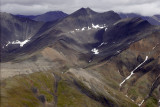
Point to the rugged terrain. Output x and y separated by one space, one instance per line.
85 59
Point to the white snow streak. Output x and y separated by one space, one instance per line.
155 46
141 103
8 43
133 71
103 43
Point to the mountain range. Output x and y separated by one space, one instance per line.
82 59
48 16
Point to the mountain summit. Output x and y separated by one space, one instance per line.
50 16
84 11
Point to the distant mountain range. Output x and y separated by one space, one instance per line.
48 16
82 59
54 15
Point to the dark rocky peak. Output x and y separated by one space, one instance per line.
111 12
110 15
50 16
54 12
84 12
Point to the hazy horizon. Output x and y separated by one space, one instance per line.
29 7
76 10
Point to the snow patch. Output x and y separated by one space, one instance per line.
83 28
93 26
126 95
132 72
118 51
97 26
18 42
89 28
95 51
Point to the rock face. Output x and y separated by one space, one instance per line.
86 58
